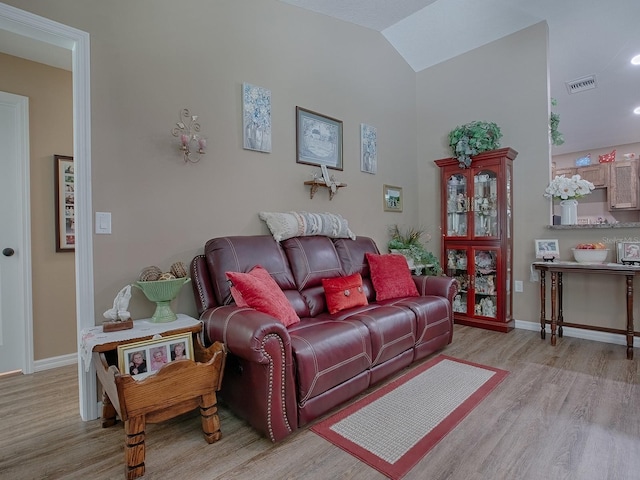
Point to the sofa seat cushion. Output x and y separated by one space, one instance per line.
432 315
392 330
327 352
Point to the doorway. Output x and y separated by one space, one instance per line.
42 29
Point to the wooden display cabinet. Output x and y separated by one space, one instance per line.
477 237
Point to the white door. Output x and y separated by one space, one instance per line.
15 298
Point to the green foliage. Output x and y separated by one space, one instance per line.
474 138
554 119
410 241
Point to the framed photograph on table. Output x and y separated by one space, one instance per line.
318 139
392 198
65 203
629 253
547 249
140 359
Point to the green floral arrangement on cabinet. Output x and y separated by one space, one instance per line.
473 138
409 243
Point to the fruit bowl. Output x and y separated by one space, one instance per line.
162 292
583 255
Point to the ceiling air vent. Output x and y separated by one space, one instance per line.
581 84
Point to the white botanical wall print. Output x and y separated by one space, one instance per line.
368 148
256 118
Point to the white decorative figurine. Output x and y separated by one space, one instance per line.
119 311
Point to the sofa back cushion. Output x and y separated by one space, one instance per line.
241 254
311 259
352 255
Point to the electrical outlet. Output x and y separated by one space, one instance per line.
518 285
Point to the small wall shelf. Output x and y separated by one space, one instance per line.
316 184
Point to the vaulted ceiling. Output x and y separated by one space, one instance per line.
586 38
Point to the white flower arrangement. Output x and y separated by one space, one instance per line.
568 188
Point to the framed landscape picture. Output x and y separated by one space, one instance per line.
392 198
318 139
65 203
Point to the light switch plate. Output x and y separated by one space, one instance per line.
103 223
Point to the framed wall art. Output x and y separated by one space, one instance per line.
141 359
318 139
65 203
392 198
547 248
256 118
368 149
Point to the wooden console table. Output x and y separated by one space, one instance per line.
556 269
176 388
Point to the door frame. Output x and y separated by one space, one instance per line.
25 299
46 30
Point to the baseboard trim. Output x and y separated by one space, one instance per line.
581 333
55 362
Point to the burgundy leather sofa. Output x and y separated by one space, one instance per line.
280 378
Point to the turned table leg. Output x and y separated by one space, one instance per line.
108 411
210 419
560 314
630 317
554 283
134 447
543 314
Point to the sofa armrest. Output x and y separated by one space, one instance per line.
441 286
243 331
258 384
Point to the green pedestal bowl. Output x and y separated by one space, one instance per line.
162 292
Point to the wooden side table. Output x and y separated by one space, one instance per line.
178 387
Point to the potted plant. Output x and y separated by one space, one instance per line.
408 243
473 138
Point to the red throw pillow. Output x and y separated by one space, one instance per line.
344 292
261 292
391 276
238 298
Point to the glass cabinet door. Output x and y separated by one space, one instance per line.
457 205
485 203
457 261
485 281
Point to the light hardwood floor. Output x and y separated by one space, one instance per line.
565 412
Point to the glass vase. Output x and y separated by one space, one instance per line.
569 212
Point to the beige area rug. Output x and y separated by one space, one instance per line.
397 425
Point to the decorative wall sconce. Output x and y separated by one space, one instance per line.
192 143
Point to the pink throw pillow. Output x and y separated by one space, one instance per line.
344 292
258 290
391 276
